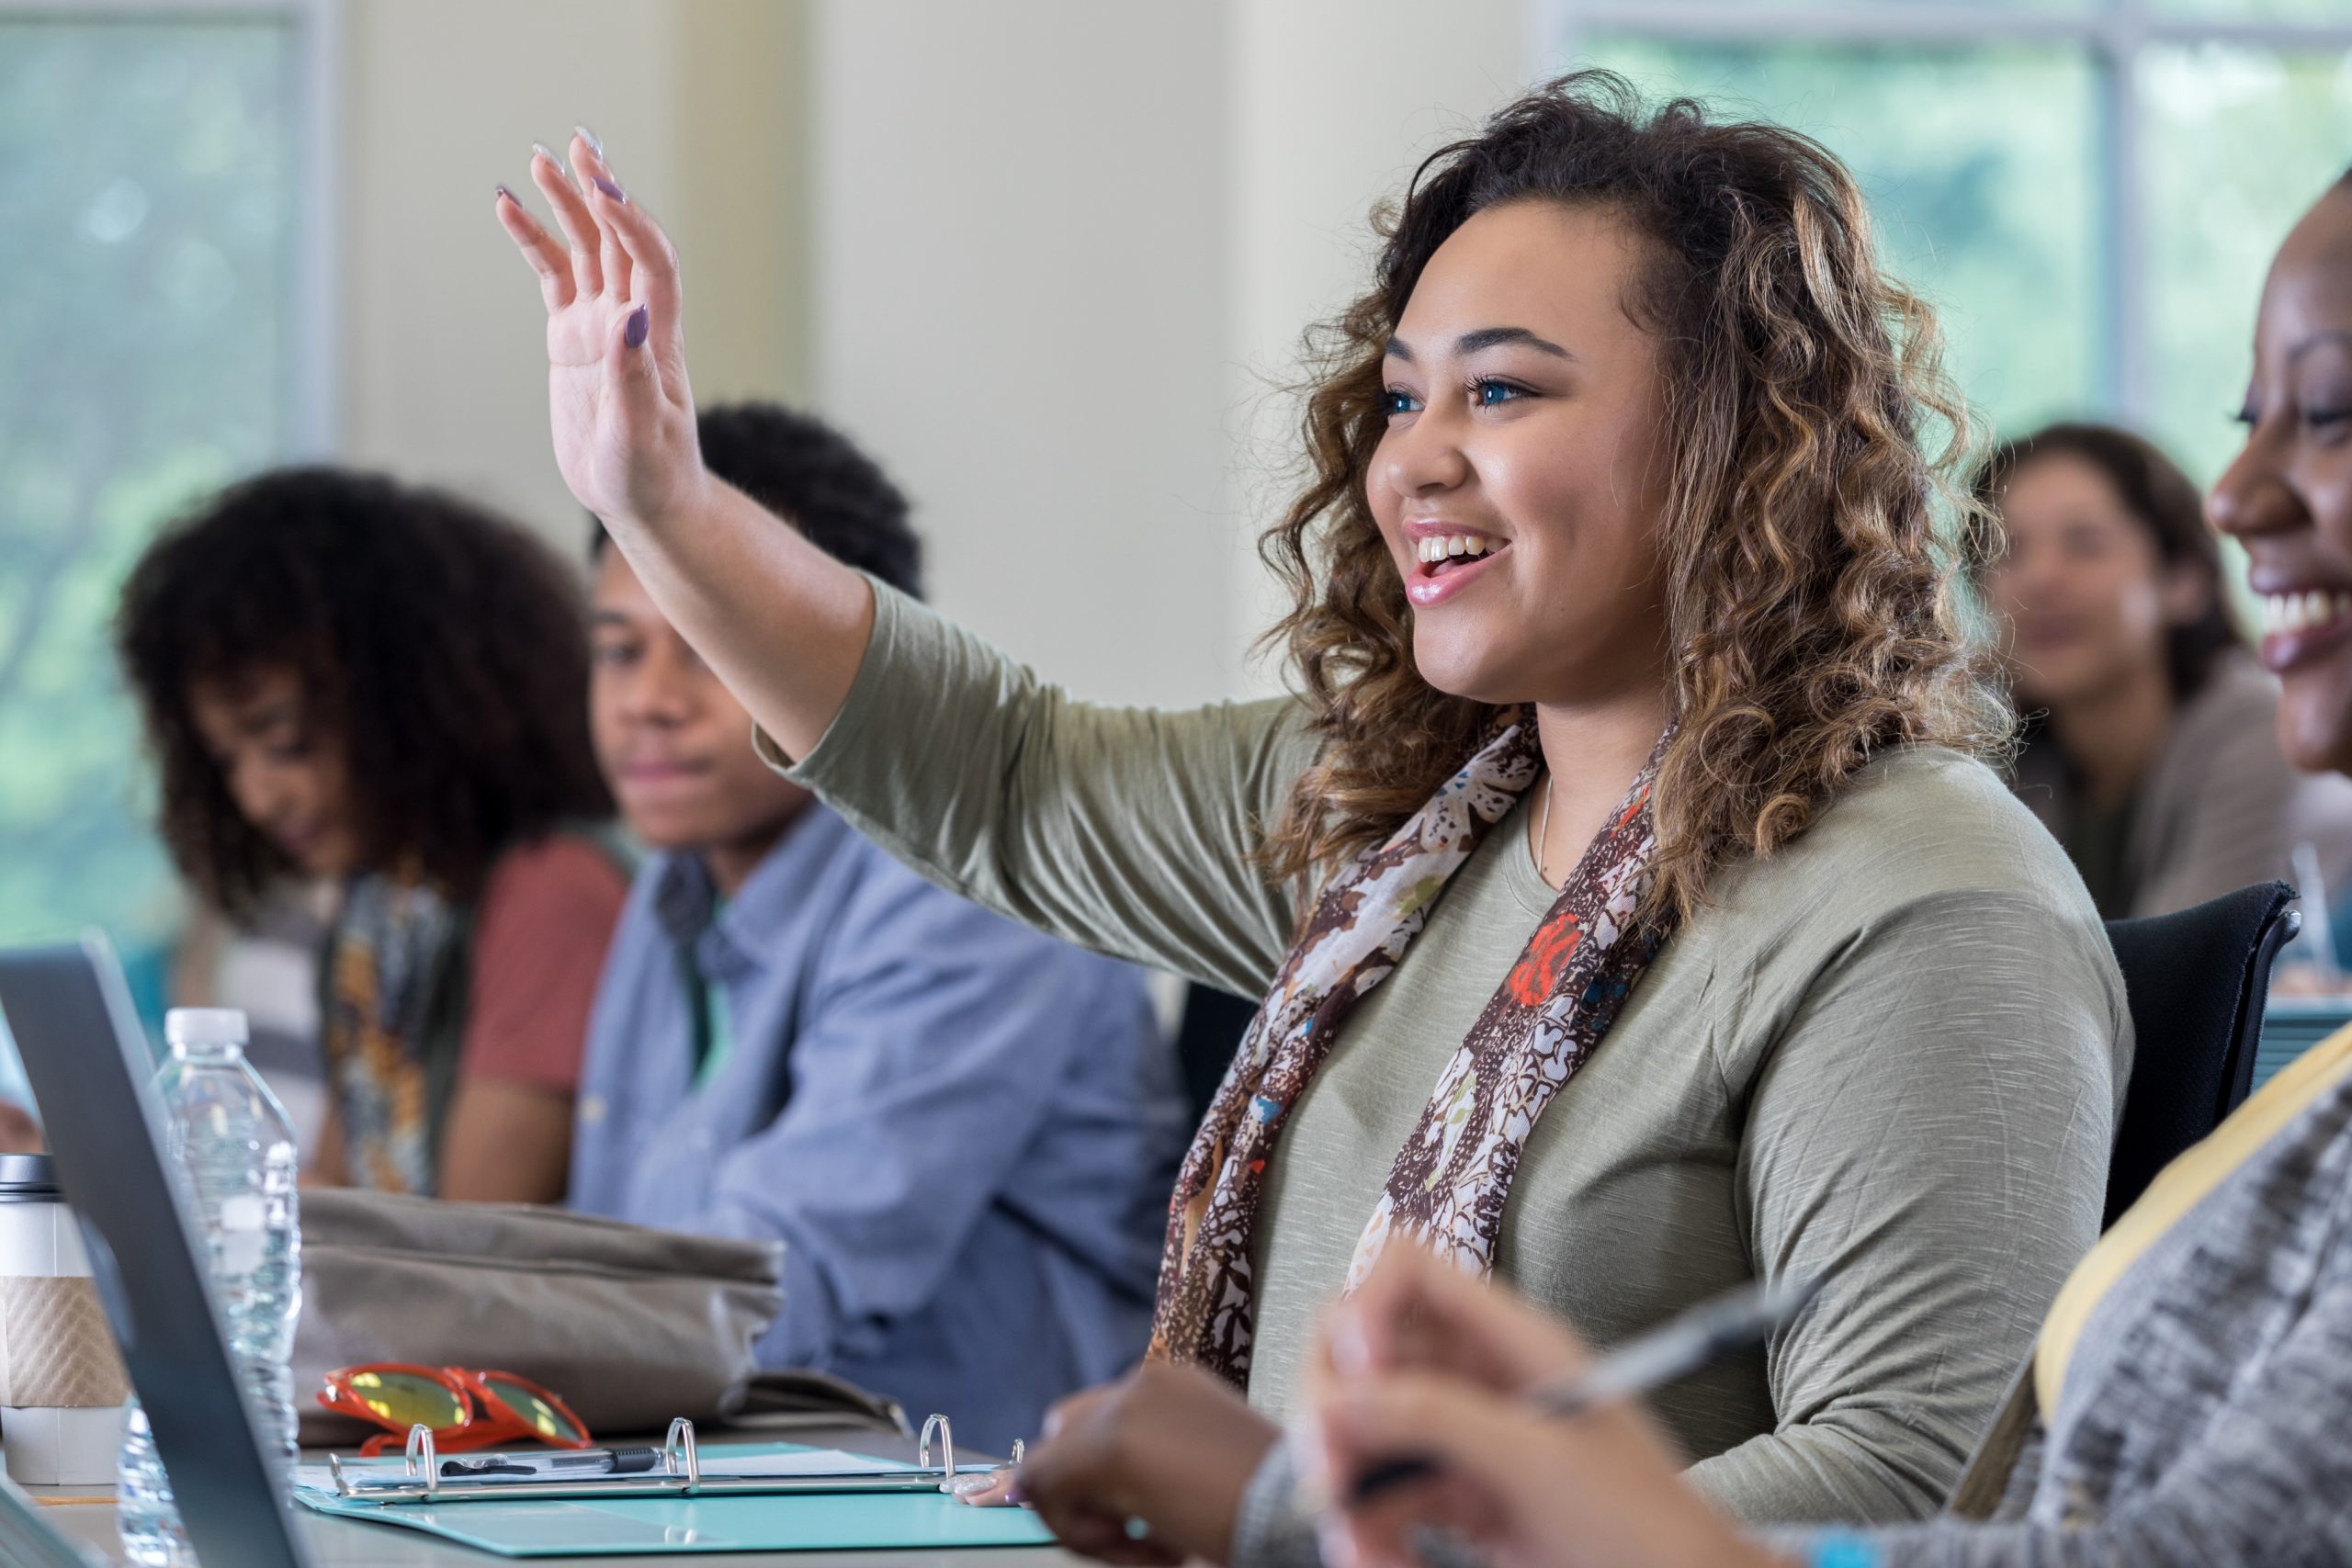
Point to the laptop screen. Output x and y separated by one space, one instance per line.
89 1068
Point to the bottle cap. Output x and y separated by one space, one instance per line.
199 1027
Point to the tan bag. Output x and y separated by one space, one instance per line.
629 1326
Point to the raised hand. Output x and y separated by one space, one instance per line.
622 413
784 624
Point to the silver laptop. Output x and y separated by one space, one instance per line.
89 1068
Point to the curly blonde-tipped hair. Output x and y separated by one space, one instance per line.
1809 591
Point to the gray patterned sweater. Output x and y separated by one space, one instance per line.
2206 1420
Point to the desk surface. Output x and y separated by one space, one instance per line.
352 1544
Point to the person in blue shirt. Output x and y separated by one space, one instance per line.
964 1133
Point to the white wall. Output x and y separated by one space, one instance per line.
1061 248
1018 302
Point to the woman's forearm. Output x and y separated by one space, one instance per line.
782 623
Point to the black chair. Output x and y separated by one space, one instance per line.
2197 981
1208 1035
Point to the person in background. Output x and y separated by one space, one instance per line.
2150 746
346 678
2190 1401
962 1132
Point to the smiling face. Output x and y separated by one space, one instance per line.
2082 588
1521 481
288 781
2288 496
674 744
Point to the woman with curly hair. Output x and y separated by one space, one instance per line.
1632 914
345 678
2189 1398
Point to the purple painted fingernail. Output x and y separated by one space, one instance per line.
639 324
609 189
1013 1494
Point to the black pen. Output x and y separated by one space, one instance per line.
1736 1320
582 1461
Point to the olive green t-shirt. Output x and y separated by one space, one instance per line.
1889 1056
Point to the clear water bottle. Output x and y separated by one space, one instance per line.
230 1140
152 1535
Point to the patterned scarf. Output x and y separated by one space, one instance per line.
1447 1189
384 962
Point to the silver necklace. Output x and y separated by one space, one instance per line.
1544 834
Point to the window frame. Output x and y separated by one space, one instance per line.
2112 33
310 399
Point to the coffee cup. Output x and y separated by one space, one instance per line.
61 1383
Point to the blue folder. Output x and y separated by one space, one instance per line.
2291 1026
805 1521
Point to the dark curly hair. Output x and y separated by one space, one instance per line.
2156 494
442 648
1809 588
805 472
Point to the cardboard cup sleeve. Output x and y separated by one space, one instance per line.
56 1351
61 1383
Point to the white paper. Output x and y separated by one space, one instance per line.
714 1462
815 1462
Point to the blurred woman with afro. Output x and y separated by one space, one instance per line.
347 679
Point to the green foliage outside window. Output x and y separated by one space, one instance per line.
1977 167
2239 141
145 182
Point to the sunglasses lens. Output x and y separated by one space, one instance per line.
404 1399
533 1408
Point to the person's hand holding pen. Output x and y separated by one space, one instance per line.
1423 1362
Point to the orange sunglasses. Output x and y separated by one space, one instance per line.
464 1409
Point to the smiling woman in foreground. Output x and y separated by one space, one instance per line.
1631 914
2191 1393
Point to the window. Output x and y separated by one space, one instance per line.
163 338
2088 190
